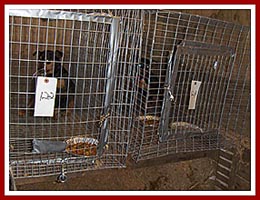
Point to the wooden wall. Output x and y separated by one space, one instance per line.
236 16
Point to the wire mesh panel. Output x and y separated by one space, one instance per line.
131 29
186 83
86 54
200 76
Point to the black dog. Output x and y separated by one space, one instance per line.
149 84
49 65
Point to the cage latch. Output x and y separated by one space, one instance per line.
171 97
103 118
62 177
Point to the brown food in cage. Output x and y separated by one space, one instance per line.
82 148
149 120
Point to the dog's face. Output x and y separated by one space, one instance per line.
143 68
47 59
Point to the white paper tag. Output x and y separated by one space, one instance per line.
195 86
45 96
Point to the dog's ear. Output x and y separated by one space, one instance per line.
58 54
39 53
35 53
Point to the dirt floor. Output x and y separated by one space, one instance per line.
170 174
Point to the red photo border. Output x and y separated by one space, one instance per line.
176 2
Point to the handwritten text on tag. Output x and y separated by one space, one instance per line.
195 86
45 96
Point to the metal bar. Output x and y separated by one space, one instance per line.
50 14
171 77
111 70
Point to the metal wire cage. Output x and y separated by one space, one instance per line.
94 53
194 79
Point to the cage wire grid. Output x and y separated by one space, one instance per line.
177 49
86 45
225 122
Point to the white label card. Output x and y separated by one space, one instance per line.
45 96
195 86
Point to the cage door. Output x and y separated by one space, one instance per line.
197 80
85 68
